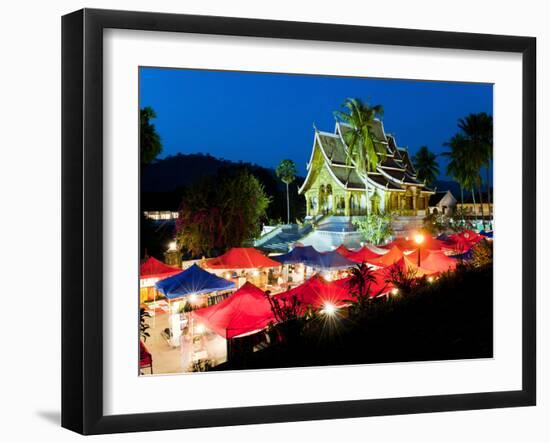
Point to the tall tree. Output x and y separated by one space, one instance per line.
360 139
457 165
465 162
149 140
286 171
478 130
221 212
425 163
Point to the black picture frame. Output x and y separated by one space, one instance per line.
82 218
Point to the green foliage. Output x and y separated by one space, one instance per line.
376 228
482 254
285 310
143 326
360 138
438 223
149 140
403 278
471 150
290 319
362 277
221 212
286 171
425 163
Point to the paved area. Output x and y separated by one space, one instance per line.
166 359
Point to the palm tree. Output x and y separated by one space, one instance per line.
464 165
456 168
361 279
360 139
478 129
286 171
425 163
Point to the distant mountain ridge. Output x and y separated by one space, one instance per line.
163 182
179 171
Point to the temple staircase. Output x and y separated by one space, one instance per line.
405 225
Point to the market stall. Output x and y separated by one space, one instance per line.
245 312
191 288
151 271
242 265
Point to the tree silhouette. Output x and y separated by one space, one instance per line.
149 140
286 171
425 163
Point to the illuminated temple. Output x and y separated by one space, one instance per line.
333 186
335 194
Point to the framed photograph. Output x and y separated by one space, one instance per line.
269 221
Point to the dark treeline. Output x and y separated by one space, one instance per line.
165 182
170 176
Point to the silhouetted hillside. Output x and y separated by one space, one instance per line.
163 182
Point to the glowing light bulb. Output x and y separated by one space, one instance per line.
329 308
395 291
419 239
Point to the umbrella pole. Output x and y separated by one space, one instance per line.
154 306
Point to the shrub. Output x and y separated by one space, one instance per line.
482 254
376 228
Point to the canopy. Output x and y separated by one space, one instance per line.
378 286
406 262
241 258
329 261
316 291
245 311
462 241
363 255
466 235
153 268
299 254
343 251
394 254
437 261
432 244
193 280
404 244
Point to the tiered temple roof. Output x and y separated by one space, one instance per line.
394 172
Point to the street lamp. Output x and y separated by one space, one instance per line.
419 239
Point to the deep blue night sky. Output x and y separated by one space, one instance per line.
263 118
